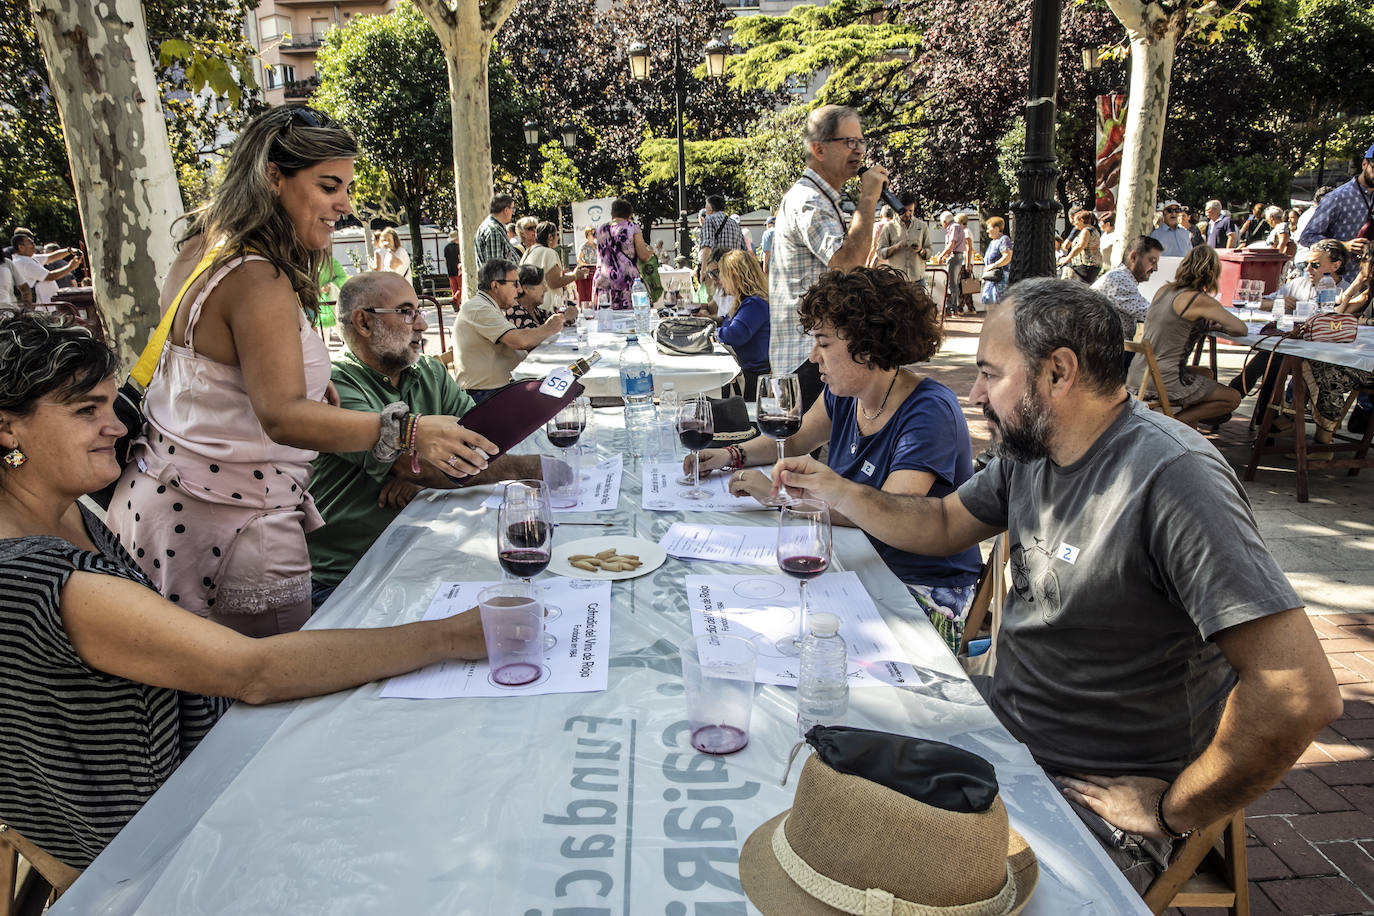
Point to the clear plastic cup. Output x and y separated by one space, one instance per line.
513 628
718 674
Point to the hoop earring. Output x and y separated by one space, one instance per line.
15 458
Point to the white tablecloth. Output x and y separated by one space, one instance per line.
689 374
355 804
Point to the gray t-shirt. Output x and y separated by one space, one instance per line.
1124 565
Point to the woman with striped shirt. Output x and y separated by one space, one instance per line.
108 686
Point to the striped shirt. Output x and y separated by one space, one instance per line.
1340 216
810 228
83 749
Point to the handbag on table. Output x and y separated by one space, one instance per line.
1330 327
686 336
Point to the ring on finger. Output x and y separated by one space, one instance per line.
452 461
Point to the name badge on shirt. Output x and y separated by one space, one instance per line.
868 468
1067 552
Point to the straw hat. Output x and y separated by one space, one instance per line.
852 845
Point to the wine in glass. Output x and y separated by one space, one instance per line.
780 416
524 536
695 428
803 553
564 429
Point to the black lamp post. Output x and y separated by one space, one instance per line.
1035 211
716 52
569 134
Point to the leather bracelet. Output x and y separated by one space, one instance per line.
1162 824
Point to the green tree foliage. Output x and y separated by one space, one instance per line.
774 156
384 78
572 60
203 41
557 183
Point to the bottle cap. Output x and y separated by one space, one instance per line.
823 624
632 338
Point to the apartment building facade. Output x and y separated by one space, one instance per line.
288 33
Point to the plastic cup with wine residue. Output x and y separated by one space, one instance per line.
513 627
718 674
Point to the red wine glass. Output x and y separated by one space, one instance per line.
803 553
524 536
564 429
780 416
696 426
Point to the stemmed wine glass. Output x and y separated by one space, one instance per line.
524 537
564 429
695 428
803 553
780 416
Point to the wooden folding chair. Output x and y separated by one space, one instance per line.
447 359
13 844
986 607
1152 377
1203 876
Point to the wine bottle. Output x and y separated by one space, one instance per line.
557 382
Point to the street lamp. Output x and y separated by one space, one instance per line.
716 52
1033 255
639 69
531 133
569 132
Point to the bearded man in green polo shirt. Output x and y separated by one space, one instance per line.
357 494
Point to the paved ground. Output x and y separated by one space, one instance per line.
1311 839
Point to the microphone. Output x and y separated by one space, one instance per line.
888 197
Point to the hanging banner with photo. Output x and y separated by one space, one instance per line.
1111 131
590 213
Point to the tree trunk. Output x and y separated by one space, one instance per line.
1154 36
466 32
419 265
102 78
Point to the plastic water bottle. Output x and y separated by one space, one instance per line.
823 688
639 299
1326 294
637 390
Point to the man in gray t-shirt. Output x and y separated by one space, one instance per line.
1151 655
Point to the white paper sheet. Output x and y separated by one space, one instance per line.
663 493
764 609
575 664
752 545
600 488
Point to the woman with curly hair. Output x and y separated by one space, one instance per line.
887 427
213 503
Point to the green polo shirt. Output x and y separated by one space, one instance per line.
346 486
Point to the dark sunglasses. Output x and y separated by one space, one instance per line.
304 114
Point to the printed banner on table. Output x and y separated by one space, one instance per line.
576 663
764 609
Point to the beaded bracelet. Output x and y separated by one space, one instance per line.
736 457
410 440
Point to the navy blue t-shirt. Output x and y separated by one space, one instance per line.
927 432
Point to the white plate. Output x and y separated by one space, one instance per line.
650 555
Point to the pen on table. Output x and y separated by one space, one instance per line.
585 524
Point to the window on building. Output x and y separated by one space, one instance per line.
273 27
288 73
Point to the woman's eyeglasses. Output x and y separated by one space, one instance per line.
408 313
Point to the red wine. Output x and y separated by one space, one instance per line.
804 567
524 564
692 435
719 739
779 426
515 674
565 436
532 533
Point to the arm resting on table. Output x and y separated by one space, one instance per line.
124 629
917 524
